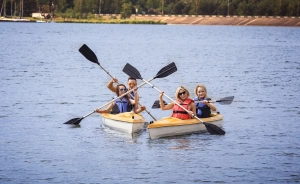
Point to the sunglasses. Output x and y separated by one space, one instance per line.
123 89
183 93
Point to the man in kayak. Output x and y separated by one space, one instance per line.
131 83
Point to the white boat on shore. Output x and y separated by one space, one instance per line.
128 122
170 126
40 21
2 19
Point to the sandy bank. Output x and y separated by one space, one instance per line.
216 20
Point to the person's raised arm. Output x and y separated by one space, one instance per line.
111 86
162 105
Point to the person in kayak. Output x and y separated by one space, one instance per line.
131 83
203 103
182 97
123 104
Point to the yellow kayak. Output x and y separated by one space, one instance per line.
170 126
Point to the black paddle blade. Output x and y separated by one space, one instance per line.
131 71
156 104
226 100
214 129
88 53
74 121
166 71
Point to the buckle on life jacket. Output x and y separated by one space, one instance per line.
180 112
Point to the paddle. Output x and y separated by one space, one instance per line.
91 56
164 72
133 72
156 104
223 101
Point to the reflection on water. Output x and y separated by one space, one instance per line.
45 81
120 134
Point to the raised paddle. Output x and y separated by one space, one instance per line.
223 101
133 72
164 72
91 56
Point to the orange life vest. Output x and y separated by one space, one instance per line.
180 113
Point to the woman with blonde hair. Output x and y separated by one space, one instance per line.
182 97
203 102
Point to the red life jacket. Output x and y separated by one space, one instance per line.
180 113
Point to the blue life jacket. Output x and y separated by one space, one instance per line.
121 105
203 111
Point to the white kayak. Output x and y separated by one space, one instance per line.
128 122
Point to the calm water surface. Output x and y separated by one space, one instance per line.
45 82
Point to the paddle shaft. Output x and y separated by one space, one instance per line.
130 93
210 101
224 101
105 71
171 99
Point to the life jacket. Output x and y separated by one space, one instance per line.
121 105
131 96
202 111
180 113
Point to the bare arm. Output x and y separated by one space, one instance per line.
210 105
136 102
192 109
142 108
111 86
107 110
162 105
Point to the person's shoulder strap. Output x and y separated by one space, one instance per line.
188 101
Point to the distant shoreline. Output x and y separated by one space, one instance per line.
185 20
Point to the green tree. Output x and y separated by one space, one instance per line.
222 9
126 11
141 4
169 9
61 6
152 4
265 8
205 7
178 8
30 6
187 8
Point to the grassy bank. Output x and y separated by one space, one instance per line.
111 20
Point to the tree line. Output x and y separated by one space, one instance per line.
88 8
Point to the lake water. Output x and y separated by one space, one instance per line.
45 82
